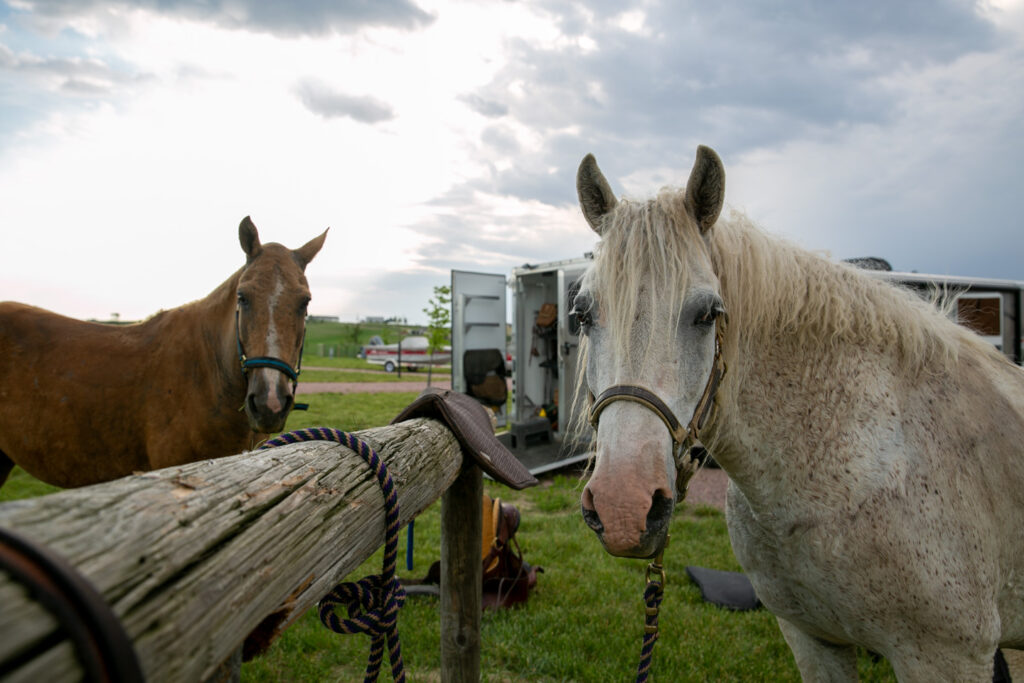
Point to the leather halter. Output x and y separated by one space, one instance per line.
680 433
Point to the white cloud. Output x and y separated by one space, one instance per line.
448 136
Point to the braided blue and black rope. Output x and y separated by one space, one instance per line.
653 595
654 592
372 602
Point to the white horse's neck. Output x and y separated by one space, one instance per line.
806 418
791 427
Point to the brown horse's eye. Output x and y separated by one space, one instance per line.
243 300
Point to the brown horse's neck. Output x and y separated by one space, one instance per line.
221 324
205 332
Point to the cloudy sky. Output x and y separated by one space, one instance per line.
435 134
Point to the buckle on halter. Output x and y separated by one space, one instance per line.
656 566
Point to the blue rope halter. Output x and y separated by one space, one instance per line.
271 362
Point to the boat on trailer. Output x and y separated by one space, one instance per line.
411 353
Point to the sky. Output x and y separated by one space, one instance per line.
432 135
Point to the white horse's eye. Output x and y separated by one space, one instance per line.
708 318
582 311
583 318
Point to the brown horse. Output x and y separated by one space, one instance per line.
86 402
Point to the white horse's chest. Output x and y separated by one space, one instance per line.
865 572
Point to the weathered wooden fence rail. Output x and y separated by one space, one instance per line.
194 558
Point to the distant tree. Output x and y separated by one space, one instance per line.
438 312
354 331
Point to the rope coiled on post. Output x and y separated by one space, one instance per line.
372 602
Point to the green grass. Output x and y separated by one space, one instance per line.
583 621
327 342
20 484
350 412
343 363
378 376
347 376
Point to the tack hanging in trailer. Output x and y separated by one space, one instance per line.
543 342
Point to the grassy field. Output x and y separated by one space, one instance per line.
584 621
328 343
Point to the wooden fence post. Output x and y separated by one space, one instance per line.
461 576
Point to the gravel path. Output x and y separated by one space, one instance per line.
708 488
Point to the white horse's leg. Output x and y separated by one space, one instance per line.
942 664
818 660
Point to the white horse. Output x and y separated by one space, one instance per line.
873 446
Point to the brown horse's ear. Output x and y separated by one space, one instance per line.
307 251
596 196
705 190
249 238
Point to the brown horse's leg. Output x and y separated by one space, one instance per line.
6 465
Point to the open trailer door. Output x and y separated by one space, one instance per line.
478 339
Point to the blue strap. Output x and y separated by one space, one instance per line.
268 362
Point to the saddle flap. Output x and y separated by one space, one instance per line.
471 424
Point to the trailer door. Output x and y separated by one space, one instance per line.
478 339
568 348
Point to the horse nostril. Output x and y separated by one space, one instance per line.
590 516
593 520
660 513
250 402
287 403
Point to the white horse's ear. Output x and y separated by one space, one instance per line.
705 190
249 238
596 196
307 251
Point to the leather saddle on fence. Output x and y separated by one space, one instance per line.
472 426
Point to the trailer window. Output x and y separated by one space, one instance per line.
981 314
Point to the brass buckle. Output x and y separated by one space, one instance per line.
656 567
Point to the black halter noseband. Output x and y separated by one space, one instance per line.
680 433
271 362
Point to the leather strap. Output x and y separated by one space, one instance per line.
646 398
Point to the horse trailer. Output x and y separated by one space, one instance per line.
545 338
544 369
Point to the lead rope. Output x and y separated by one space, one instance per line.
372 602
653 595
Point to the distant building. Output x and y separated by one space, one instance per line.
323 319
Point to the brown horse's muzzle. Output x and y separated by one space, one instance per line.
269 400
